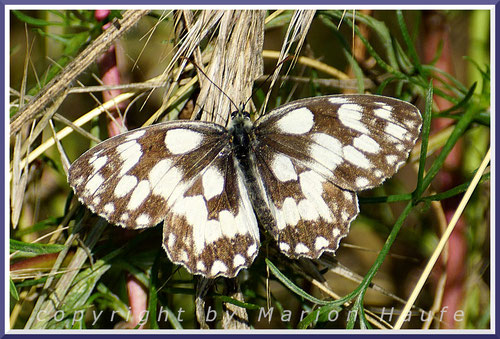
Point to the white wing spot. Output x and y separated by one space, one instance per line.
345 215
238 260
140 193
200 266
182 140
169 182
326 150
355 157
130 152
171 240
362 182
335 232
311 184
307 210
383 113
378 173
96 201
135 135
395 130
283 168
347 195
78 181
246 220
320 243
301 248
298 121
124 217
284 246
93 184
227 224
194 209
213 182
210 234
367 144
278 216
184 256
391 159
410 123
125 185
158 172
109 208
218 267
350 116
98 163
93 158
251 250
290 211
143 220
339 100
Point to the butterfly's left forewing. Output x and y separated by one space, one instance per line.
312 155
355 141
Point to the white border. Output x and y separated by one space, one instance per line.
6 170
235 6
9 8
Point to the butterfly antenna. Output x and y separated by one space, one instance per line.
267 78
210 80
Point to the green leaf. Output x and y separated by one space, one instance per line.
39 226
77 296
281 20
153 293
409 43
238 303
457 132
425 140
13 290
107 299
16 245
294 288
322 314
34 21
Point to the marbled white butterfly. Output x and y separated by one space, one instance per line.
295 171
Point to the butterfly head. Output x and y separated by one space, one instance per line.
240 120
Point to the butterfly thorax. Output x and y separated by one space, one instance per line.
240 129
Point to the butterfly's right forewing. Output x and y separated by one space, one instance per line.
182 173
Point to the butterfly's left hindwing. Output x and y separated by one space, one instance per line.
311 214
182 173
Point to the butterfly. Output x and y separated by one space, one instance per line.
295 171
